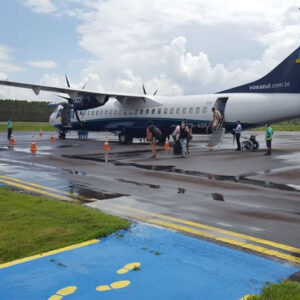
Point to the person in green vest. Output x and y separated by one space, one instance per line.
268 138
9 128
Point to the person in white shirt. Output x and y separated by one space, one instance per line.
238 131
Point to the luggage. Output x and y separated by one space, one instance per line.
177 148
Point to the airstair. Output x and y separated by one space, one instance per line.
217 136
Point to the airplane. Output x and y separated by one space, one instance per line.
274 97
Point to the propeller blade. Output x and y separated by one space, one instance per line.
145 93
83 86
67 80
155 92
64 97
77 117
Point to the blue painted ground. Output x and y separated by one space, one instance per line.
173 266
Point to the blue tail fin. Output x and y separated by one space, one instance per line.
285 78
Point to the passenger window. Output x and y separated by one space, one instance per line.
191 110
136 111
197 110
92 112
120 112
105 112
101 112
172 110
125 112
110 112
147 111
115 112
177 110
88 113
165 111
158 111
153 111
204 110
141 111
97 112
184 110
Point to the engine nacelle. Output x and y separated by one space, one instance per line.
83 102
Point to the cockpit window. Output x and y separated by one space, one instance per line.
59 113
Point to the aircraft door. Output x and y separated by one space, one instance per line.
220 105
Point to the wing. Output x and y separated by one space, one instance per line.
86 99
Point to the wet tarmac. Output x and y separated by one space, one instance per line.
245 192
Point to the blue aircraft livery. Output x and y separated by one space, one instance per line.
283 79
298 59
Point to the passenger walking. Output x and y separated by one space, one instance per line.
268 138
9 129
175 136
238 131
216 119
189 138
152 134
183 135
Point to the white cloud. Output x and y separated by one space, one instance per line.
179 47
40 6
44 64
5 64
195 45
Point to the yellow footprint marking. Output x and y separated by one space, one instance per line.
102 288
120 284
128 267
63 292
114 285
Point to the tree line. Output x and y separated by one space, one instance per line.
24 111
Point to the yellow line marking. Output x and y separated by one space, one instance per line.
36 190
216 229
221 239
22 260
43 187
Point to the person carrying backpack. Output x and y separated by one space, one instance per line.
183 136
152 135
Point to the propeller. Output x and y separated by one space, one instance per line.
71 101
145 93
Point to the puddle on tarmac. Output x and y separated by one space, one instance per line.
152 186
81 193
217 196
243 178
89 194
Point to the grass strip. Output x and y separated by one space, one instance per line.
283 126
31 225
28 126
287 290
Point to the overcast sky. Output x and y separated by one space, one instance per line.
180 47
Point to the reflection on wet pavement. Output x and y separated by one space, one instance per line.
92 194
243 178
217 196
152 186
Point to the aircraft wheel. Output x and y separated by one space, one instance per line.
62 135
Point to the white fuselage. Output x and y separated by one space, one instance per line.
250 108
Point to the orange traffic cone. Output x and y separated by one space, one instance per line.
52 139
41 133
167 145
33 146
106 146
12 140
